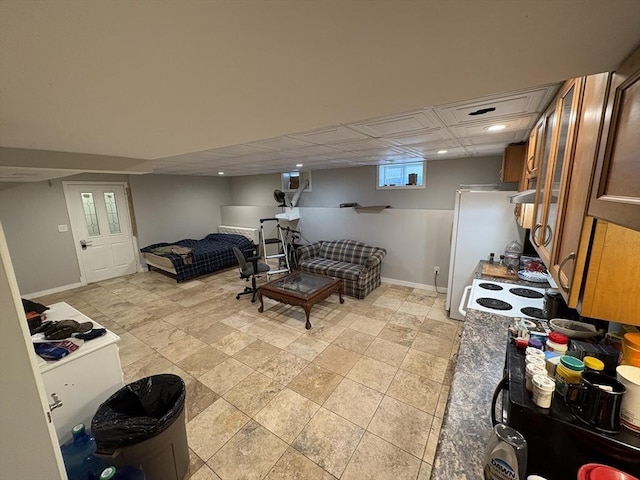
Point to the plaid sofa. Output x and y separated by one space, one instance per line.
356 263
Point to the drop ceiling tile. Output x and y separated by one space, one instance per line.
488 149
280 143
330 135
367 144
524 102
313 150
396 124
422 136
499 137
242 149
524 122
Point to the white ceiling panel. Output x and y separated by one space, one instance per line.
396 125
515 104
280 143
330 135
424 136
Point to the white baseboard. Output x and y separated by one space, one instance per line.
404 283
43 293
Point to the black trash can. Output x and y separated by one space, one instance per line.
143 425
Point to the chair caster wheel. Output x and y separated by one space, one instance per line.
237 297
253 300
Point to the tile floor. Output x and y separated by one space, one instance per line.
359 396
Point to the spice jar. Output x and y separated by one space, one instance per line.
569 371
593 364
557 342
533 369
543 388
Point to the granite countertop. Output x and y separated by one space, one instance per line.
479 369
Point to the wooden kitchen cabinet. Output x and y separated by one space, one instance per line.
594 262
574 197
513 161
615 194
556 166
612 275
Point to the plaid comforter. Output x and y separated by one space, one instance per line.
356 263
214 252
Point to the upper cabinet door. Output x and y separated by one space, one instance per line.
615 195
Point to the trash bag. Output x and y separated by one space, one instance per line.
138 411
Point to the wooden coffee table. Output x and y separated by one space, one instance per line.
301 289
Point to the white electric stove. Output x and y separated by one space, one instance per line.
506 299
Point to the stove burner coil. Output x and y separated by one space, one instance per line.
494 304
490 286
526 292
533 312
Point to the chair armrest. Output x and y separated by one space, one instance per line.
307 252
375 258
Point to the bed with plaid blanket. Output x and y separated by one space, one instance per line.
356 263
214 252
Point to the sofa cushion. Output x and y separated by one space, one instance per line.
323 266
349 251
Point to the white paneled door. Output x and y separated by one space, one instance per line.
100 221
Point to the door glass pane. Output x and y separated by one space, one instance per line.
544 164
112 212
565 119
90 216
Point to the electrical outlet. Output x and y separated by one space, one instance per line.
436 270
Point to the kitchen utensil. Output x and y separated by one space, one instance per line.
629 376
572 328
597 400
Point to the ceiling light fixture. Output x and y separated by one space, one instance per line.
220 173
299 165
496 128
440 152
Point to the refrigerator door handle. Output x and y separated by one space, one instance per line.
502 385
463 300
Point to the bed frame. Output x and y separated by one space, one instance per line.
162 263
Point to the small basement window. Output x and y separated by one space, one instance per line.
401 175
292 180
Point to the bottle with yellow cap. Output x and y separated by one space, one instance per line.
593 364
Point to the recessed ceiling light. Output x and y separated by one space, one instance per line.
299 165
440 152
220 173
495 128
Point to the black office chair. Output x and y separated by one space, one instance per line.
250 268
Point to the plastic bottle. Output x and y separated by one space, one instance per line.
79 461
568 371
506 455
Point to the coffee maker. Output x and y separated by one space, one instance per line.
555 306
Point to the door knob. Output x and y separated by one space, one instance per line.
84 244
57 403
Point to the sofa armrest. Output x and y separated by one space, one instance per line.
307 252
375 258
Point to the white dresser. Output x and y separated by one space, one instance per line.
83 379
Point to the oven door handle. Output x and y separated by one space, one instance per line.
463 300
502 385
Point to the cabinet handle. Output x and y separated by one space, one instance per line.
526 165
546 239
516 211
571 256
533 234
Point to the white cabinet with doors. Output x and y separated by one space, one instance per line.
83 379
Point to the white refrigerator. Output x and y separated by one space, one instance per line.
483 222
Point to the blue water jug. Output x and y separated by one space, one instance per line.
79 461
125 473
